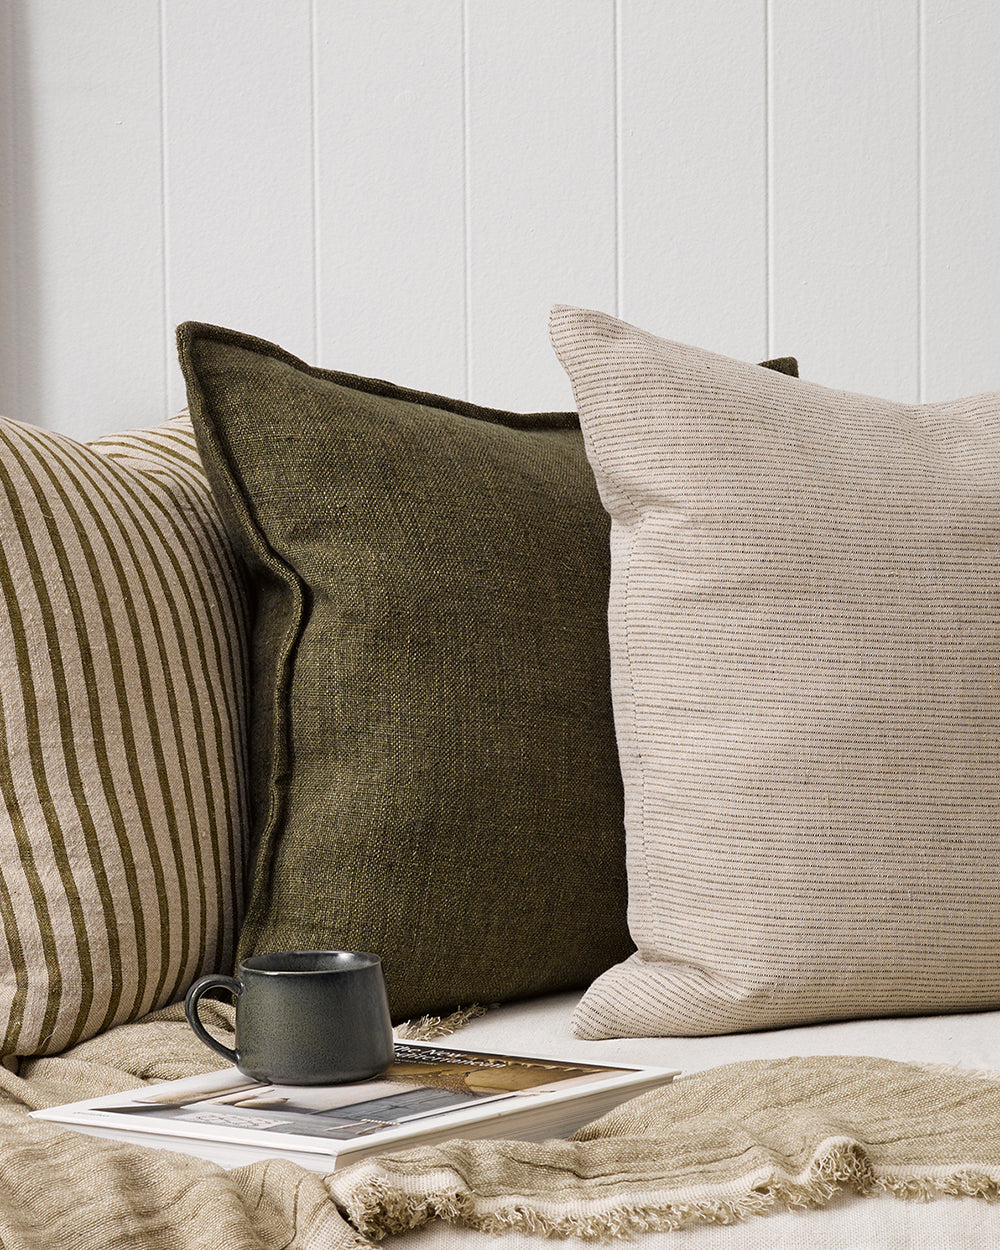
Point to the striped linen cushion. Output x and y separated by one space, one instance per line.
805 646
123 661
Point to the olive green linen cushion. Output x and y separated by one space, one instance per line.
124 635
805 647
433 737
432 728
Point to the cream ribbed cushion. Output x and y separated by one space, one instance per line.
123 625
805 652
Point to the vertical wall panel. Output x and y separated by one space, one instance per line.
239 170
541 159
391 191
844 192
402 187
9 400
88 267
962 198
693 172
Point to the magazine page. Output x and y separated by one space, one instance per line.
422 1081
424 1084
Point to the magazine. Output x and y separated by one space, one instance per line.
429 1093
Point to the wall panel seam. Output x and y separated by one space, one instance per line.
616 41
921 206
168 329
12 350
467 198
768 102
314 141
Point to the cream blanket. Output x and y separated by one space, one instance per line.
731 1142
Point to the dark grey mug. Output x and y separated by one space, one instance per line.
304 1017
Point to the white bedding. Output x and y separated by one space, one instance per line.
541 1027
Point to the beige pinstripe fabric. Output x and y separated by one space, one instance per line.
123 623
805 649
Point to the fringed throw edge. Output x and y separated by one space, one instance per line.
380 1204
427 1028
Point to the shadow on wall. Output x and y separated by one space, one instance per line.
20 335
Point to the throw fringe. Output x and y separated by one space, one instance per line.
956 1069
427 1028
967 1184
379 1208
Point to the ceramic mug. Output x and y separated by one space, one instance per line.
304 1017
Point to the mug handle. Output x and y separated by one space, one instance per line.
214 982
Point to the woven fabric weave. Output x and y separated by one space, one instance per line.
436 777
805 640
718 1146
435 768
123 809
751 1138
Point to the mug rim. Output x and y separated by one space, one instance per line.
351 961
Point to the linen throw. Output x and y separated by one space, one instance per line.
805 646
729 1143
737 1141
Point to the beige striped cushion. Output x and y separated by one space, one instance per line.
123 623
805 653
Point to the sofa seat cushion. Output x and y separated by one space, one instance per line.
544 1026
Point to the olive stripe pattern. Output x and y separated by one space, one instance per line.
124 626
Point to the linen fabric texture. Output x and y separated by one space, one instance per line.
805 648
123 674
432 733
751 1138
433 743
748 1139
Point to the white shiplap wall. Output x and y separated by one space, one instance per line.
402 189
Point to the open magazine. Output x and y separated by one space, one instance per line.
430 1093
